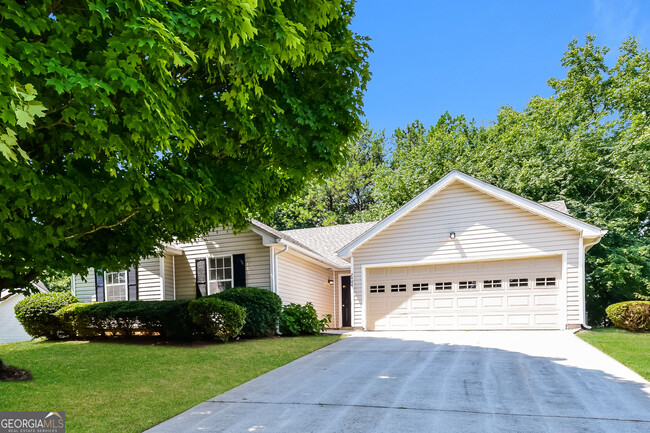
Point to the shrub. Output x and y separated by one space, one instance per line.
168 318
262 309
631 315
217 318
36 313
298 319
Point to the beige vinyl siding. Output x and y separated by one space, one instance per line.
85 290
485 227
301 281
169 277
150 280
12 330
223 243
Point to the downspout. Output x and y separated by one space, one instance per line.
584 276
275 269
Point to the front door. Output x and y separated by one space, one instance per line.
346 301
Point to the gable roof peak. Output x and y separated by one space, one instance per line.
550 212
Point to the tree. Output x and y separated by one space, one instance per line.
341 198
125 124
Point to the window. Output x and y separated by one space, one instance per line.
398 288
220 274
518 282
467 285
377 289
492 284
443 286
420 287
115 284
545 282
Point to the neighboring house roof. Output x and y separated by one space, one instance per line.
552 210
5 294
326 241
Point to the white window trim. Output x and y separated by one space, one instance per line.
126 285
232 270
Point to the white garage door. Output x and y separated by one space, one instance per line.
508 294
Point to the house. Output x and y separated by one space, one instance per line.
11 331
463 254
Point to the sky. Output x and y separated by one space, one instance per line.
472 57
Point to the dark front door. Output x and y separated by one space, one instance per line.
346 301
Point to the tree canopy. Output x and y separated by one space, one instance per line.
587 144
125 124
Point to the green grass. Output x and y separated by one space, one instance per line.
127 387
629 348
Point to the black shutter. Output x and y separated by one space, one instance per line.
201 278
132 283
239 270
99 286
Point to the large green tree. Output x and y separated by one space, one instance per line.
127 124
344 196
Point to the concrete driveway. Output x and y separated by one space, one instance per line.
507 381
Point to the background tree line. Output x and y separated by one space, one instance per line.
588 144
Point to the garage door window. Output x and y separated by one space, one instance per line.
377 289
518 282
467 285
492 284
545 282
398 288
420 287
443 286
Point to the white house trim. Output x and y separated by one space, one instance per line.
477 258
588 230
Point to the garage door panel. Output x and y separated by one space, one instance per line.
421 322
492 301
468 320
546 319
443 303
421 304
444 321
467 302
546 299
496 320
519 301
508 294
519 319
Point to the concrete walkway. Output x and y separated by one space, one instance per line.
507 381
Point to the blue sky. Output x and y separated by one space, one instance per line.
472 57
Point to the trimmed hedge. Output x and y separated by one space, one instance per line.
298 319
262 307
217 318
125 318
36 313
631 315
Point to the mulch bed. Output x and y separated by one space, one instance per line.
9 373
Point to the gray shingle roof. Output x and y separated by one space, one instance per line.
558 205
326 241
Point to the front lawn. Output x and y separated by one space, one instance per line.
629 348
129 387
